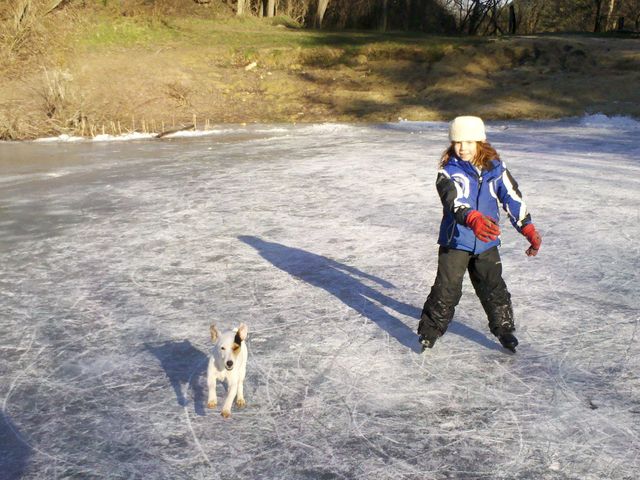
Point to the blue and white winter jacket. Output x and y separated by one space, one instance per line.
462 188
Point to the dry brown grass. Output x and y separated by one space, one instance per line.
171 72
14 124
179 92
25 29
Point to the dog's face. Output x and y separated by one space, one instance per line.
227 345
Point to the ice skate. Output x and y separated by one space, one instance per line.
426 342
508 341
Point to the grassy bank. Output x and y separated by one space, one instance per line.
88 71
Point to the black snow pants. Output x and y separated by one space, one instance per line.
485 271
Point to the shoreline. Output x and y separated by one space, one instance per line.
260 129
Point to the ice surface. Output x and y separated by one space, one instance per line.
116 256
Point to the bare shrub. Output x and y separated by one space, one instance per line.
54 92
29 28
179 92
14 125
62 108
20 25
9 129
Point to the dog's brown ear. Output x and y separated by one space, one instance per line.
242 331
214 332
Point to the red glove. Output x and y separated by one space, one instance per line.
534 238
484 228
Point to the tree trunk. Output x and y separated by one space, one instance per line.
407 15
529 17
610 22
384 16
494 19
320 11
598 25
513 26
241 9
475 18
271 8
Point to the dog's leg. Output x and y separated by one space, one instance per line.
212 400
240 402
231 394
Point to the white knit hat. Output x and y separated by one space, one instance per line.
467 129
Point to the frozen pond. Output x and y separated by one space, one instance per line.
116 256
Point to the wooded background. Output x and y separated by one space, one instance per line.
473 17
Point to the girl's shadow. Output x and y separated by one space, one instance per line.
345 283
184 365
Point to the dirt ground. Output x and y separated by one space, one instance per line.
156 89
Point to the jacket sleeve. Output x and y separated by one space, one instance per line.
454 194
511 199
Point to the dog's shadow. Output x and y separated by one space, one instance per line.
16 452
345 282
184 366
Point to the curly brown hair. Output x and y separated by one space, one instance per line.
484 155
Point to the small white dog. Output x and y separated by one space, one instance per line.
228 361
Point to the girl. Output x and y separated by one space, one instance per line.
471 182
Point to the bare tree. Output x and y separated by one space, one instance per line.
513 23
473 17
407 14
629 9
244 6
494 7
384 15
271 8
610 22
471 14
297 10
529 14
598 25
320 11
